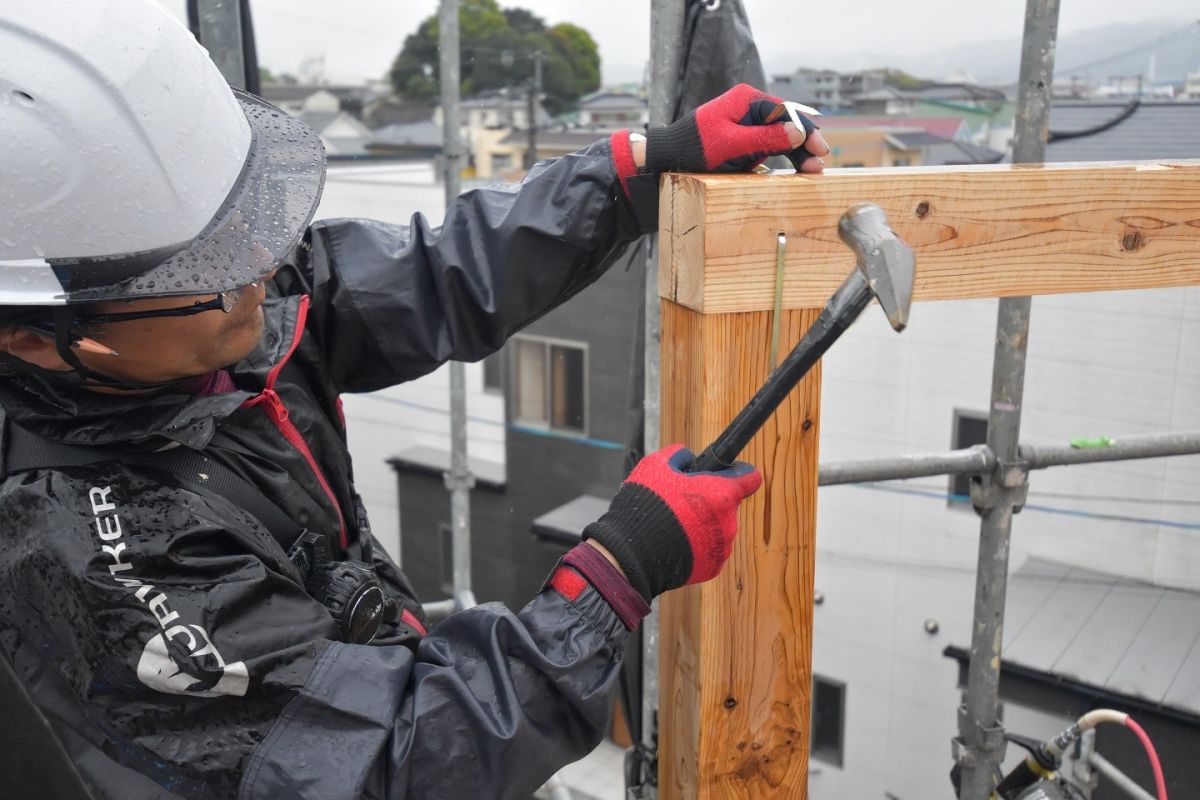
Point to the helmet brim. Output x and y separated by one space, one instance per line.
262 219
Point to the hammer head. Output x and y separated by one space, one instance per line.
884 259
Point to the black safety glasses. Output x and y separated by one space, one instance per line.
225 301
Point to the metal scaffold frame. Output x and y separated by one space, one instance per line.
1000 468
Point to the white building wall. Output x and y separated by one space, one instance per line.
381 424
891 556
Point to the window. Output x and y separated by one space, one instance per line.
970 428
828 720
902 162
493 373
446 540
548 386
501 161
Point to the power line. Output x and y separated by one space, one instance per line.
1066 512
1103 498
1146 47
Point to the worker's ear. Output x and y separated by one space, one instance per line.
32 348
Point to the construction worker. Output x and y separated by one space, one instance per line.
189 590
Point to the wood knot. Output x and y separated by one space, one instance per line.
923 209
1133 241
806 425
730 703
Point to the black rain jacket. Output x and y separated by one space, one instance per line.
165 633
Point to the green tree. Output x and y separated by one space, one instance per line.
499 48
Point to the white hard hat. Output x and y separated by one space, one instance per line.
129 168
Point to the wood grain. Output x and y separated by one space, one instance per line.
735 670
989 231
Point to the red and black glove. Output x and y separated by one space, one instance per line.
668 527
726 134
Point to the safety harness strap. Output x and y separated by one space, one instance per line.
192 469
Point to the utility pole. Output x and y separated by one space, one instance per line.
535 94
459 479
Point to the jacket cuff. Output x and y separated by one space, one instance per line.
583 566
640 189
622 156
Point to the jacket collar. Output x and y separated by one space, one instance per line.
66 414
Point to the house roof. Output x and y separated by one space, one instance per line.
1153 130
955 91
421 134
945 127
613 100
782 86
318 120
573 139
940 150
918 138
435 461
285 92
495 100
346 146
565 524
1111 633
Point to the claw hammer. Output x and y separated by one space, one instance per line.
884 270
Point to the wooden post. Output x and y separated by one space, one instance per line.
736 658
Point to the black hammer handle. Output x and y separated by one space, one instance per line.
842 309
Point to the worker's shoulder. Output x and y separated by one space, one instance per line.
83 497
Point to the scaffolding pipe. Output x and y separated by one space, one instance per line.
666 64
1118 778
980 459
1125 448
971 461
1003 490
459 479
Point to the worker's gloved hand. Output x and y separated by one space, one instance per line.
729 134
668 527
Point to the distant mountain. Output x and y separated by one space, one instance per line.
1174 42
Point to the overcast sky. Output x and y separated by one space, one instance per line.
359 38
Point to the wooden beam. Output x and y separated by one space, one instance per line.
986 231
735 660
735 669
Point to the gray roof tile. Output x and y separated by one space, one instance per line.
1154 130
1107 631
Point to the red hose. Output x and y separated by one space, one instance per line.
1159 783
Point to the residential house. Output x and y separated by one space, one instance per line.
564 380
886 141
411 140
1191 87
938 151
611 110
297 97
490 118
820 88
343 135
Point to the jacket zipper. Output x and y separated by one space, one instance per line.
277 412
